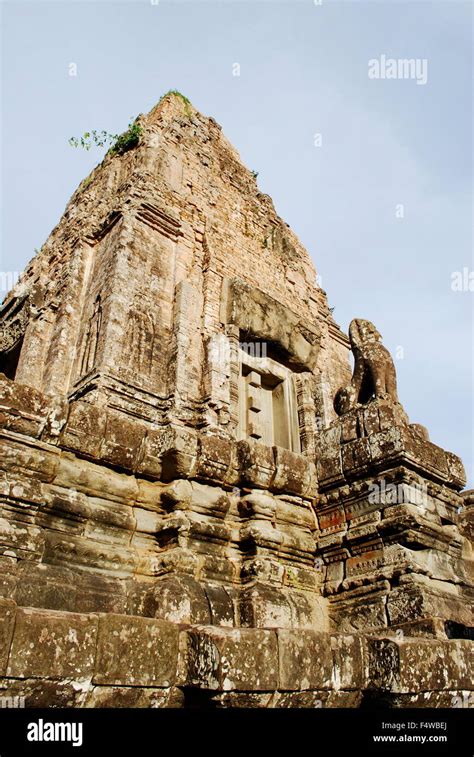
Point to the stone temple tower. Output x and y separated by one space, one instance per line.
199 502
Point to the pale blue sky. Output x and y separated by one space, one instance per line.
304 70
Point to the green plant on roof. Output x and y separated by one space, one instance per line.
128 139
183 98
254 174
119 143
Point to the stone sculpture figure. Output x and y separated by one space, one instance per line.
92 338
374 372
140 340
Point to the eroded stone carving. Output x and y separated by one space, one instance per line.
14 326
374 372
140 340
92 338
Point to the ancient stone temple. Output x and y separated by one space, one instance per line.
201 504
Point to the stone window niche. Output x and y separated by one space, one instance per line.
267 403
9 360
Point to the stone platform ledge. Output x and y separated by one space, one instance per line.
158 452
372 438
57 658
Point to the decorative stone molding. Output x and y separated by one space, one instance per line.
14 323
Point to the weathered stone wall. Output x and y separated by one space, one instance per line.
64 659
154 551
118 533
179 211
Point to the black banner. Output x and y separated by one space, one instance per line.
122 731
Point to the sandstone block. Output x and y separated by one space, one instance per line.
242 699
221 604
179 450
179 599
435 665
122 440
328 456
266 318
293 473
305 660
257 464
134 696
134 651
240 659
24 409
216 456
149 460
85 429
263 606
45 693
52 644
350 661
35 458
456 471
7 622
355 457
